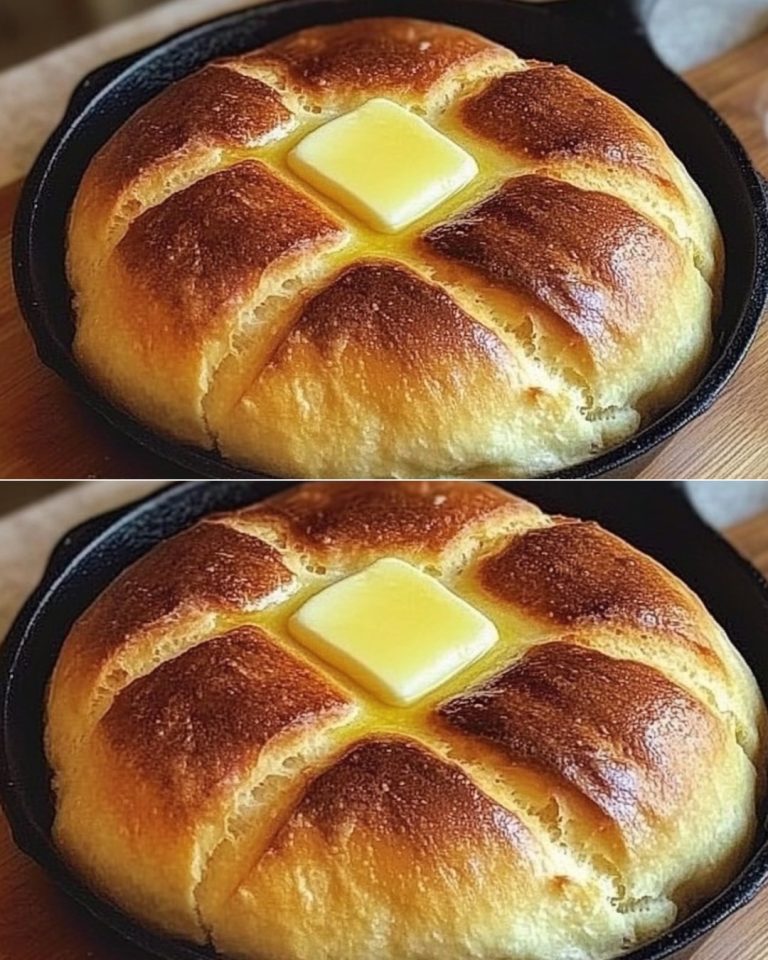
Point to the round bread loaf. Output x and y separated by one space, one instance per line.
540 316
589 781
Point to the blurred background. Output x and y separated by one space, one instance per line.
687 31
30 27
15 494
47 46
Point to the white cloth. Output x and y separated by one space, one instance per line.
689 32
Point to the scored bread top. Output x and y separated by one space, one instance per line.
344 523
575 573
218 296
434 804
387 56
548 112
618 733
211 711
209 110
221 782
384 310
205 250
516 241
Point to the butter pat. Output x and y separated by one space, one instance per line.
384 164
396 631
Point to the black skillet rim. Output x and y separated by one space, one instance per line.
35 841
31 293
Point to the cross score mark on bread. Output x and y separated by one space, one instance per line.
582 264
219 780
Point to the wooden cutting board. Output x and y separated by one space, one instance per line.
46 432
37 922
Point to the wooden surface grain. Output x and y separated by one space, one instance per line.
731 440
46 432
37 922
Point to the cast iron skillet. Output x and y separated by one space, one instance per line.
654 516
602 39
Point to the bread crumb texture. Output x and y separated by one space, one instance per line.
590 780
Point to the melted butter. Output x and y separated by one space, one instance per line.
366 242
395 630
517 634
383 163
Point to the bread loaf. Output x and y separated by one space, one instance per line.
588 782
538 317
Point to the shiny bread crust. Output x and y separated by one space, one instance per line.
572 253
224 785
385 56
217 296
548 112
199 720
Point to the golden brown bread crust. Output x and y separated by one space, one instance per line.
199 721
576 573
166 602
586 258
214 109
189 275
179 755
390 56
217 333
333 518
193 128
221 783
618 733
344 522
393 791
556 122
385 326
209 567
208 247
587 586
387 820
382 310
548 112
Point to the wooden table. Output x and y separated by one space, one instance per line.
731 440
37 922
45 431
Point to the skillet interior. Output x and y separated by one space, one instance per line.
598 38
654 516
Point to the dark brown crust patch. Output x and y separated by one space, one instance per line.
395 792
203 718
212 109
378 54
587 258
384 309
550 113
425 516
618 732
209 567
208 246
576 573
